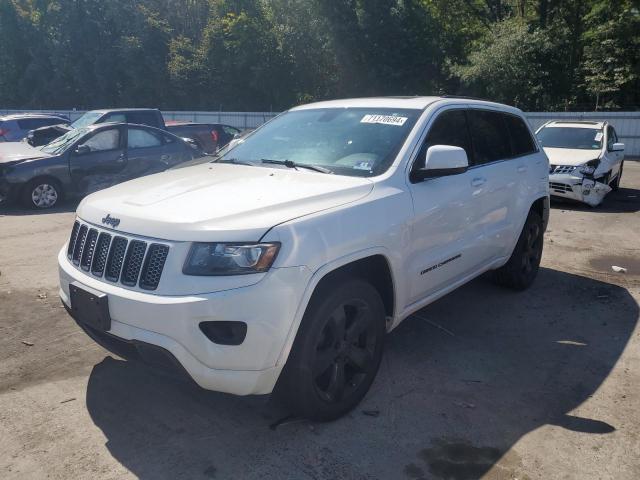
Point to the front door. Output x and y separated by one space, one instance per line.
445 212
99 162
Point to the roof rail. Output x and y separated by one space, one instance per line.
464 97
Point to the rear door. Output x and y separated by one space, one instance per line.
103 165
496 178
151 151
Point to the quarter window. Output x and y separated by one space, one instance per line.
139 138
521 141
490 138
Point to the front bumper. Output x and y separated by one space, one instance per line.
578 188
268 307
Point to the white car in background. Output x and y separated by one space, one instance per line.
585 159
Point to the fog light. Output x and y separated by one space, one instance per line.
225 333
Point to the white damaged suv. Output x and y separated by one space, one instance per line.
281 264
586 159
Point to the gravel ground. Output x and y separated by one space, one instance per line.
543 384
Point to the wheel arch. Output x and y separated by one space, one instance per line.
45 177
372 264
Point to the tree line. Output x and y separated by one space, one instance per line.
261 55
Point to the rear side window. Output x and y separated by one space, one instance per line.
521 141
491 141
449 128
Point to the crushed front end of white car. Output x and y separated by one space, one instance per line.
583 183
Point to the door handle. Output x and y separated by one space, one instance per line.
478 181
164 158
522 168
120 158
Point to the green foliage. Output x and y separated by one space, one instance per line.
272 54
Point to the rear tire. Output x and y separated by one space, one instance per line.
521 269
615 185
41 193
337 351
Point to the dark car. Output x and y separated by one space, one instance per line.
14 128
87 159
139 116
210 137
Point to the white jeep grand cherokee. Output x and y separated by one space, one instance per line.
281 264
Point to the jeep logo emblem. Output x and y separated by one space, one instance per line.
109 220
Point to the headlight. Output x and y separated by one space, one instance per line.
230 258
589 167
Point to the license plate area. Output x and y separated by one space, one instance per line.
90 306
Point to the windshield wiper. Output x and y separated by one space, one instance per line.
292 164
235 161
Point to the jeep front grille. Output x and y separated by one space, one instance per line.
118 258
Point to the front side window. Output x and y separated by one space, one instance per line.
87 119
114 118
449 128
571 137
346 141
104 140
139 138
491 141
611 137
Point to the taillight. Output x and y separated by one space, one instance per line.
3 132
214 135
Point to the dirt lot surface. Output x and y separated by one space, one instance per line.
543 384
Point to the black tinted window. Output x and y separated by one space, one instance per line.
32 123
491 140
142 118
450 128
611 137
521 141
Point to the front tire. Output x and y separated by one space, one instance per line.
523 265
41 193
615 185
337 351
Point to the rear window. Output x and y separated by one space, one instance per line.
521 141
143 118
32 123
491 141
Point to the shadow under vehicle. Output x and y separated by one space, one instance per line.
448 403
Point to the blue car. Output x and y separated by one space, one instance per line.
85 160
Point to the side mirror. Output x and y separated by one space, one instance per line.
617 147
82 149
442 160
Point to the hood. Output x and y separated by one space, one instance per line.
569 156
13 152
219 202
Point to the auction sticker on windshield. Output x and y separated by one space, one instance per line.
384 119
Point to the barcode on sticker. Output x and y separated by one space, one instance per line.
384 120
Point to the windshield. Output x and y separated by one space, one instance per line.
346 141
87 119
60 144
571 137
